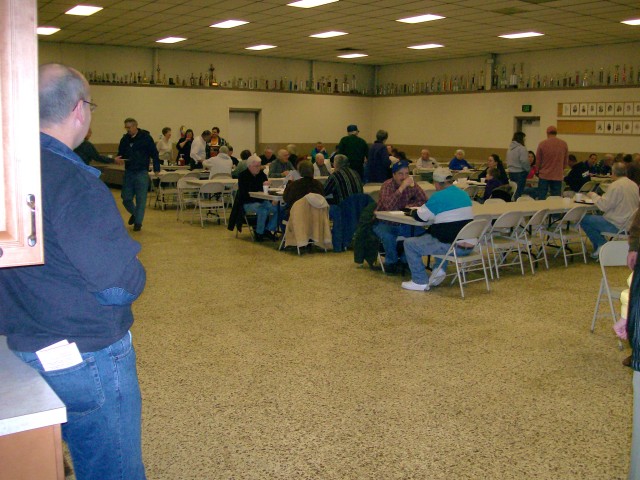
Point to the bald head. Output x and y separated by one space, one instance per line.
60 89
65 103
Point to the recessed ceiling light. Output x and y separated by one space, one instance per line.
171 40
420 18
328 34
521 35
47 30
260 47
426 46
229 24
84 10
310 3
633 21
353 55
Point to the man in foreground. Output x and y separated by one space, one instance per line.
447 211
82 295
136 148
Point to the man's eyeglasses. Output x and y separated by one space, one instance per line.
92 106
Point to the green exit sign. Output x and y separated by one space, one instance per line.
526 108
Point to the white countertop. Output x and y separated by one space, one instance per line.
26 401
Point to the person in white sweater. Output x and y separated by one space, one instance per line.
618 205
221 163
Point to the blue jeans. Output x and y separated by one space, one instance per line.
521 180
553 187
417 247
594 226
135 184
266 215
103 403
388 234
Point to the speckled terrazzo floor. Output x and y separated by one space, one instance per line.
258 364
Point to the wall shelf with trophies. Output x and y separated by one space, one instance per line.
599 118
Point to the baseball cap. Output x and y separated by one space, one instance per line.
352 128
552 129
441 175
398 165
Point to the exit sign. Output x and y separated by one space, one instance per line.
526 108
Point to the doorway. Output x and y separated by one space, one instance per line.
530 126
243 130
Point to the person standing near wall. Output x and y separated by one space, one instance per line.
136 148
355 149
518 162
77 305
552 158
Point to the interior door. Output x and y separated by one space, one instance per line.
243 130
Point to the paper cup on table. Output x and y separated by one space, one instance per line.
483 180
578 197
265 188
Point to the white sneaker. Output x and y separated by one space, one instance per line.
410 285
437 277
596 255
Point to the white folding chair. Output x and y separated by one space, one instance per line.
566 232
187 194
514 189
474 262
503 237
590 186
210 201
531 235
525 198
167 192
612 254
494 200
622 233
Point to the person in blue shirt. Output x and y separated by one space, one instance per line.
82 294
458 162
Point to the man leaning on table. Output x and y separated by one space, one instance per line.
397 193
618 205
77 305
447 211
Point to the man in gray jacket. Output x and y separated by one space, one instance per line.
518 162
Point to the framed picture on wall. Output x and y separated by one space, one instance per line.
608 126
627 127
575 109
566 109
609 109
628 108
617 127
636 108
584 109
636 128
600 126
619 109
592 109
601 107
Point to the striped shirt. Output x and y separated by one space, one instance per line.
343 183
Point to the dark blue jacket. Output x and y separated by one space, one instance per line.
137 151
379 163
91 275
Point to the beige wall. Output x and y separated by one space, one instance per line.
479 122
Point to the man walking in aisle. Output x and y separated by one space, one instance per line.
552 158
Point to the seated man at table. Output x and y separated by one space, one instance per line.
447 211
458 162
252 180
281 167
603 167
343 182
426 160
267 157
397 193
295 190
221 163
321 167
579 173
619 203
87 152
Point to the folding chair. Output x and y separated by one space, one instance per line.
531 235
167 192
590 186
503 237
308 224
187 194
514 189
622 233
612 254
474 262
210 201
567 231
